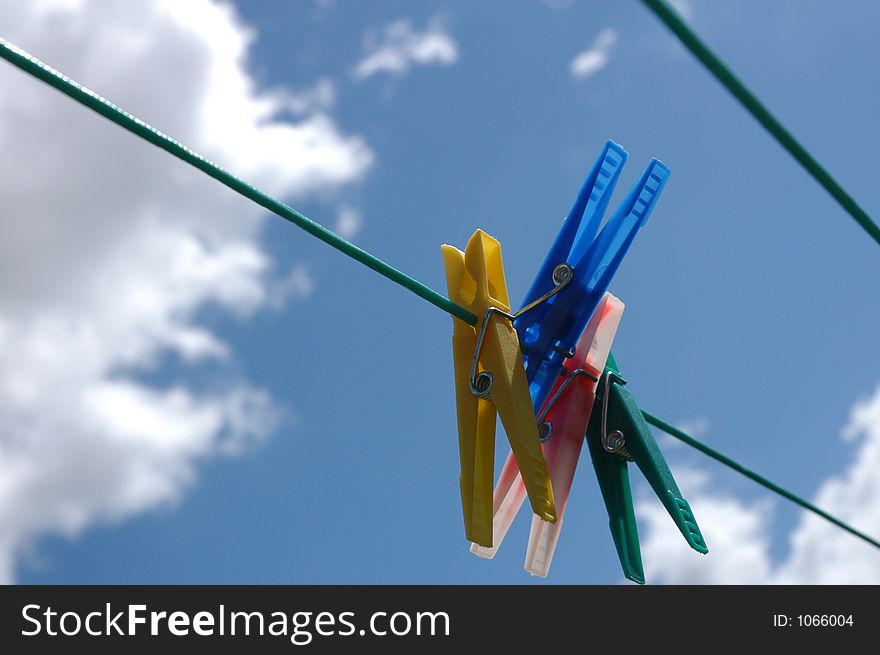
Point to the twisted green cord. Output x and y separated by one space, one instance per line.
33 66
754 106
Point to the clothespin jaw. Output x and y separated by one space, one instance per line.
618 433
550 332
490 377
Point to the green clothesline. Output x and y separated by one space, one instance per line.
757 109
85 96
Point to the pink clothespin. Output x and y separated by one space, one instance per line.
562 423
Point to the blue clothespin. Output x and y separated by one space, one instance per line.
584 263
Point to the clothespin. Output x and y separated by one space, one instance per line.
618 434
562 422
490 377
550 332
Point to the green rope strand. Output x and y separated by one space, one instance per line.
33 66
764 482
754 106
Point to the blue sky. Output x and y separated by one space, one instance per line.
751 313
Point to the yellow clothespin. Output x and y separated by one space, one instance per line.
489 378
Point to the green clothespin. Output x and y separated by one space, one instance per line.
616 435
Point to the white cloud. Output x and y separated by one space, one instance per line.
595 58
321 8
696 427
319 97
348 222
683 7
401 47
738 533
296 285
110 249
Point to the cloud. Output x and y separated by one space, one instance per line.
321 8
595 58
348 223
296 285
738 533
822 553
319 97
697 427
401 47
683 7
111 249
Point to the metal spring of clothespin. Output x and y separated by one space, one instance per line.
613 442
481 383
545 427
